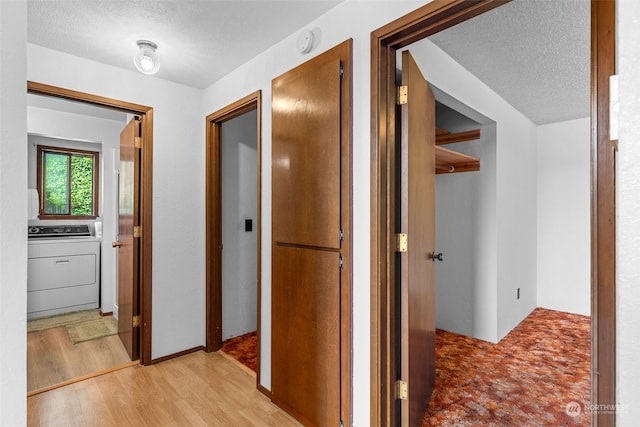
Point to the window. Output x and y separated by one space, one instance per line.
67 183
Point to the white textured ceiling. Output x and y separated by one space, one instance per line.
533 53
198 41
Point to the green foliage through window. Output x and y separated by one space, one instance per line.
55 183
68 178
81 185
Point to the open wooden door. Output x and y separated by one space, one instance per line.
127 244
310 273
415 266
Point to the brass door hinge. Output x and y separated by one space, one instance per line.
137 231
137 142
403 94
401 242
136 321
402 390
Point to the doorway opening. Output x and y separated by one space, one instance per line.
140 197
233 227
416 26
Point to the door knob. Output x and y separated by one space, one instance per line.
436 257
116 244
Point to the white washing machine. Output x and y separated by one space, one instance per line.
63 273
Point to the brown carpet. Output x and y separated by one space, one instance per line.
527 379
243 349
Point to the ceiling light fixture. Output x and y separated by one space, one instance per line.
146 60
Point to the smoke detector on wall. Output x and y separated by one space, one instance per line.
305 41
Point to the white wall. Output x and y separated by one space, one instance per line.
178 186
334 27
239 202
628 219
564 216
13 213
455 239
509 219
105 135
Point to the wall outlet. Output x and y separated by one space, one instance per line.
518 294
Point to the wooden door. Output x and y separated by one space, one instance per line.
306 155
417 220
306 334
128 182
309 175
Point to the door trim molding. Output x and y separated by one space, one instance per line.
603 215
213 126
145 196
429 19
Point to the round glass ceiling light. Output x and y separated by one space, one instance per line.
146 60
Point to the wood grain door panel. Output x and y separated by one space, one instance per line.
306 167
310 282
306 333
128 182
417 219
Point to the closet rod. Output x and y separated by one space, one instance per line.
449 168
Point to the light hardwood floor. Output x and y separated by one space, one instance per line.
198 389
52 358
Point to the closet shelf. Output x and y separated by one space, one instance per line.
449 161
445 137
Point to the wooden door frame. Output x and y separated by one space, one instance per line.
145 196
603 215
423 22
213 185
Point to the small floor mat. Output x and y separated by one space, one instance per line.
61 320
93 329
